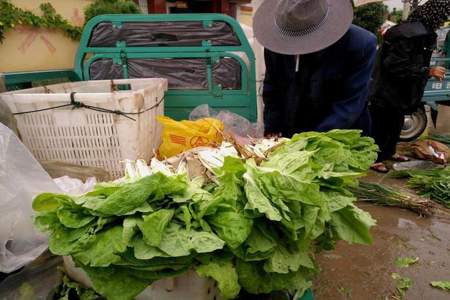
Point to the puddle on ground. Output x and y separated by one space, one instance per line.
364 272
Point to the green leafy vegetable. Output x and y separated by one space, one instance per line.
69 289
402 284
352 225
254 227
387 196
443 285
223 271
404 262
153 226
434 183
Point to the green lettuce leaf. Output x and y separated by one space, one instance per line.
116 284
104 250
178 242
154 224
353 225
404 262
443 285
49 202
285 261
255 281
232 227
73 218
221 270
130 228
133 195
144 252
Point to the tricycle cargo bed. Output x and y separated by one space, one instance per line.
205 57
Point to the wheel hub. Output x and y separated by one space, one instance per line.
409 123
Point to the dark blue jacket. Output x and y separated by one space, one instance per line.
328 91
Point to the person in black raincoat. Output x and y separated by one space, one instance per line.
318 66
401 73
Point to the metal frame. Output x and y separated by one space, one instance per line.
22 80
179 103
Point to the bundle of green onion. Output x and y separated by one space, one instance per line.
387 196
433 183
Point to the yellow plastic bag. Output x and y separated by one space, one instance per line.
179 136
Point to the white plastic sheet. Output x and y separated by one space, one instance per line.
21 179
74 186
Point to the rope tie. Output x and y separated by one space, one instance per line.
77 105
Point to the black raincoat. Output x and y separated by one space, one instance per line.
402 67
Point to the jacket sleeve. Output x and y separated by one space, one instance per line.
398 61
348 109
273 108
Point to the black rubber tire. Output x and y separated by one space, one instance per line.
415 125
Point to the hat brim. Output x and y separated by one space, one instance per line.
336 24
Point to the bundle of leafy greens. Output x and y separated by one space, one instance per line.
384 195
433 183
256 227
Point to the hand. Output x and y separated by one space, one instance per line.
437 72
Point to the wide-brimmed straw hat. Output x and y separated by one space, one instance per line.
301 26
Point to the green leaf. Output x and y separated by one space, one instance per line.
143 251
186 217
258 201
104 249
443 285
132 196
73 218
285 260
130 228
64 241
222 271
404 262
232 227
353 225
178 242
403 284
46 222
49 202
153 226
338 201
255 281
260 244
116 284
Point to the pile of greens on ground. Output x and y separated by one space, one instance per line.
434 183
255 228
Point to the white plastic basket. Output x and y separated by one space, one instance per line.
89 137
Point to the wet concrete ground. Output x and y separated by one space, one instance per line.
364 272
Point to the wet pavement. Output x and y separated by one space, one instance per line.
364 272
